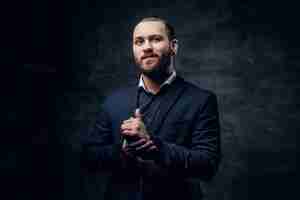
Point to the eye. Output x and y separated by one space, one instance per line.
138 42
157 39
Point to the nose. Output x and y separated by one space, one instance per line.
147 46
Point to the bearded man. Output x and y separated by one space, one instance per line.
154 140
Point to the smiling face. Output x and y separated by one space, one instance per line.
152 48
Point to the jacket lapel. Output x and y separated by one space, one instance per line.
132 101
174 91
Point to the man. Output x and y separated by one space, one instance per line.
154 138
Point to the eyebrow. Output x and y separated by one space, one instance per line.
149 36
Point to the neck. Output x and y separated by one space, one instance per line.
151 85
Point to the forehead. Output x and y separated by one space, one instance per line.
144 29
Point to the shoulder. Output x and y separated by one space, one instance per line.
118 96
120 92
202 100
196 92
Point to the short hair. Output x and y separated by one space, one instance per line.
169 28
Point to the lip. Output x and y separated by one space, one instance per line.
149 60
146 57
149 57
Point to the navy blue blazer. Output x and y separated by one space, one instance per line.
187 134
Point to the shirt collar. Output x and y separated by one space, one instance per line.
168 81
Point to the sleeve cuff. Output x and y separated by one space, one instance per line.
160 156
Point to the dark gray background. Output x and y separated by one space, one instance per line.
61 58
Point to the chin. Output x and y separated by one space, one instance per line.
149 68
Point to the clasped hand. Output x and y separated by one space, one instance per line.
134 129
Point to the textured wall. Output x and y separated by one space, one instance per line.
247 53
241 52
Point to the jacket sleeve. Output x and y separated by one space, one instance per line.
99 152
199 160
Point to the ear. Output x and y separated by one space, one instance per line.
174 46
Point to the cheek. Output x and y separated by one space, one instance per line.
136 50
136 53
162 49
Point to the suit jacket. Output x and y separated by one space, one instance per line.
186 132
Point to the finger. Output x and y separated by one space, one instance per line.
127 153
144 146
152 148
134 129
128 120
128 132
122 130
126 126
139 159
137 143
134 125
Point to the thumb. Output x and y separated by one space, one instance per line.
138 113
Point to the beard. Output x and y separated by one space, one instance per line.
160 72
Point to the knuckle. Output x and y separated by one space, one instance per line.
136 126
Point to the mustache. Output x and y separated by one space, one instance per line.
148 56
